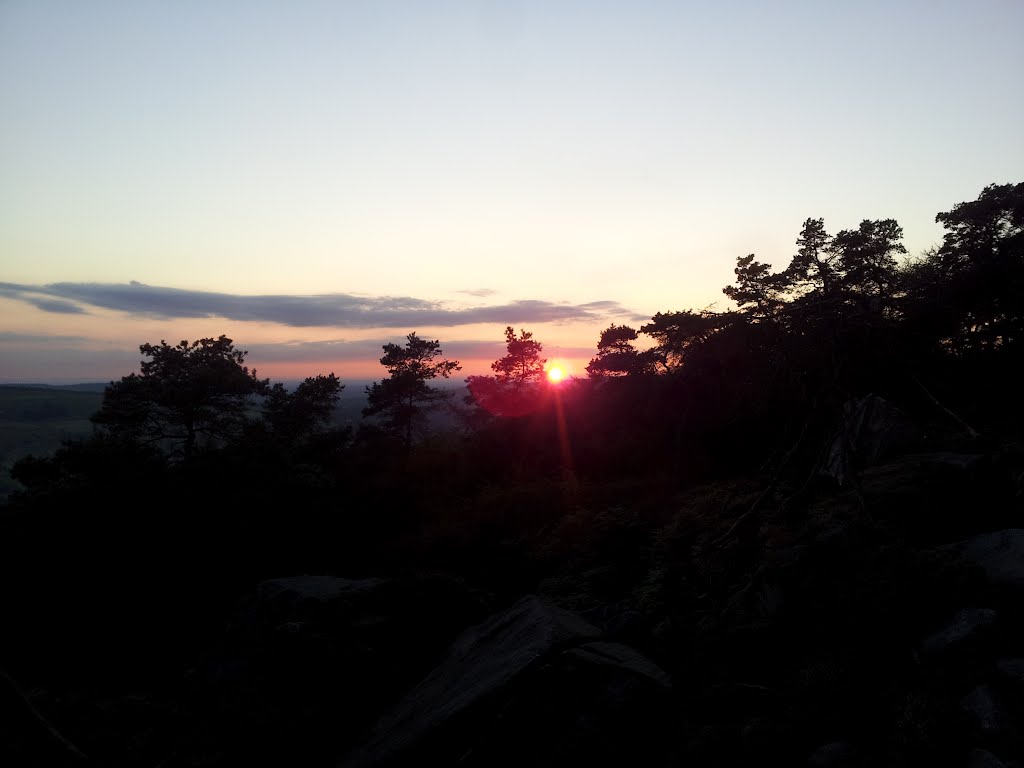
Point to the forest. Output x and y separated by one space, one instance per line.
789 532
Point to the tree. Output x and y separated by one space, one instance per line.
970 290
866 259
616 355
187 393
303 412
758 290
513 390
984 229
523 364
679 333
405 394
813 267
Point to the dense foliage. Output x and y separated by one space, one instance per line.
406 394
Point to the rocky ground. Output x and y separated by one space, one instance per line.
875 622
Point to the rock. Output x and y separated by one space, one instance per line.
912 473
613 618
764 737
616 655
873 431
966 626
531 686
984 711
1012 669
923 494
836 754
26 736
309 662
981 758
765 596
999 554
314 588
309 597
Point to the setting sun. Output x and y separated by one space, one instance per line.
555 375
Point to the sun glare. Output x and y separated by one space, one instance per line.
555 374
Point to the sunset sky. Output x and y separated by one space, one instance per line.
315 179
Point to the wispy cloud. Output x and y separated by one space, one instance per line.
339 310
10 337
40 298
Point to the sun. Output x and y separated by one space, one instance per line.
555 374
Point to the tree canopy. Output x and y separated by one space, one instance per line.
304 411
404 396
187 395
515 389
522 365
618 356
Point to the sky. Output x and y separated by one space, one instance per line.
316 179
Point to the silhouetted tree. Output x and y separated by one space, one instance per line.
522 365
969 292
866 259
405 394
304 411
678 333
758 291
185 393
617 356
812 269
513 390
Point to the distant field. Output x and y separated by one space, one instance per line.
34 420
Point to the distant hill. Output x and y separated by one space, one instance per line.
95 386
35 419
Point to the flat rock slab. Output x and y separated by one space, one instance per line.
533 672
999 554
966 625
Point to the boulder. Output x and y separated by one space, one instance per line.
1011 669
836 754
914 473
964 628
984 711
873 431
924 494
308 662
26 736
1000 554
982 758
533 685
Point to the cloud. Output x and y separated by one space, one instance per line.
312 351
56 306
10 337
479 292
40 298
339 310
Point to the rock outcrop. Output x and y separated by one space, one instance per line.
533 685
